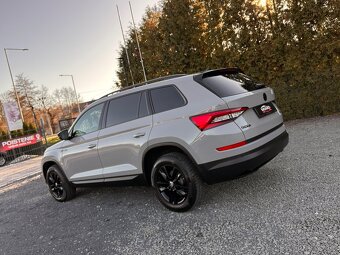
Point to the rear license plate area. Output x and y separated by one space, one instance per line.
264 109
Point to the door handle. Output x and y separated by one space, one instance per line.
138 135
91 146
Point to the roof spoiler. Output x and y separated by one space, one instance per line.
216 72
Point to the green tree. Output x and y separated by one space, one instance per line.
291 45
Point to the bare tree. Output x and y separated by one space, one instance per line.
46 103
67 99
27 92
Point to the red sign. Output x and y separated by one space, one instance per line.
20 142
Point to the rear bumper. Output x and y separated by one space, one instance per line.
232 167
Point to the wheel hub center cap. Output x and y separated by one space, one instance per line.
171 184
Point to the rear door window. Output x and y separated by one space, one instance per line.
123 109
166 98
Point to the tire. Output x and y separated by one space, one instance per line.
3 160
60 188
177 185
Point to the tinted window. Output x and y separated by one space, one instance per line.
230 85
123 109
89 121
143 106
166 98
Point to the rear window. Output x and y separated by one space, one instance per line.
231 84
166 98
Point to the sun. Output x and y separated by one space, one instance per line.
262 2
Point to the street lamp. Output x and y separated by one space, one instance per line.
10 72
74 87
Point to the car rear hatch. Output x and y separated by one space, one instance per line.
238 91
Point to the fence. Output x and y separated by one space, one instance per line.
21 146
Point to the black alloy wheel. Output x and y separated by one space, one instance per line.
55 184
171 183
60 188
177 185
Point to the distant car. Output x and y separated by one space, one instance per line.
175 131
3 159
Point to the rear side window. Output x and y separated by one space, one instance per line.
166 98
231 84
123 109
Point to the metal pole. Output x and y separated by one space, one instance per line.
15 91
140 52
125 46
125 73
75 91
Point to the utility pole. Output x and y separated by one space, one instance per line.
125 73
136 34
125 46
10 72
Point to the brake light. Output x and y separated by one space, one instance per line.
213 119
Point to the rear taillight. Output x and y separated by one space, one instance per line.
214 119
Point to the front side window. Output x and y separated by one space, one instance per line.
166 98
89 122
123 109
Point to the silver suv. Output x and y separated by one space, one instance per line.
176 132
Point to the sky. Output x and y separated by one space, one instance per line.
78 37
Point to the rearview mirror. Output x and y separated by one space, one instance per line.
63 135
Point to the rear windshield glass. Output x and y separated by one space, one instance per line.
231 84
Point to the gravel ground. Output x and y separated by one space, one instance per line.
289 206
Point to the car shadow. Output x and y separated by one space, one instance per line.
84 189
242 187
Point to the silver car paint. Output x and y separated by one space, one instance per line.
119 155
119 147
81 161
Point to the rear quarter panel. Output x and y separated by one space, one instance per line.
175 127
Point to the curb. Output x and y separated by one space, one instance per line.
21 179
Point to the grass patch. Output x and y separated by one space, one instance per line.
52 139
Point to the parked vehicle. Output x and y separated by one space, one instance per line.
177 132
3 158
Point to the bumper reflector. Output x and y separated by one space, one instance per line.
232 146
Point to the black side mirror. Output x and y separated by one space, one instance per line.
63 135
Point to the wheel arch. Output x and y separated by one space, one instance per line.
46 165
155 151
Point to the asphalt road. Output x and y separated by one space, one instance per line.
289 206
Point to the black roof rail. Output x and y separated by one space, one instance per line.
144 83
